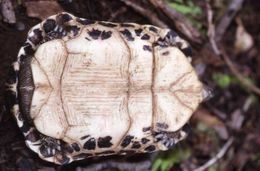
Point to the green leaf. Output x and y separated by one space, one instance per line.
166 160
189 9
185 9
222 80
157 164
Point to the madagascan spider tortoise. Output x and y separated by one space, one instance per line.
83 88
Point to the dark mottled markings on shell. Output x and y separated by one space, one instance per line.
127 140
28 49
49 25
145 37
95 34
76 147
187 51
104 142
136 145
90 144
144 140
84 137
63 18
106 35
171 34
147 48
150 148
73 29
161 43
138 31
127 34
153 29
127 25
145 129
162 125
37 37
165 53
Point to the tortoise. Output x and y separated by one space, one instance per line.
82 88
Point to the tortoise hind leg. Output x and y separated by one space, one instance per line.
49 148
167 140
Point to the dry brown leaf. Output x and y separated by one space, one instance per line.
42 9
205 116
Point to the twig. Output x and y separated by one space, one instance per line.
211 29
117 13
221 52
233 8
219 155
148 14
